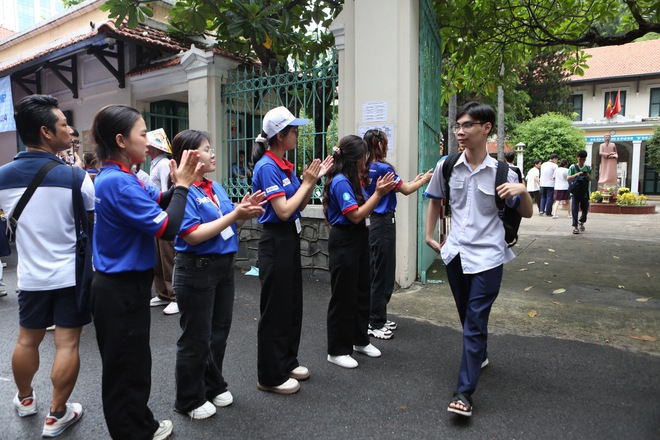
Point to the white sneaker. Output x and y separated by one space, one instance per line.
224 399
164 430
299 373
155 302
171 309
51 328
380 333
344 361
203 412
291 386
54 426
27 406
390 325
369 350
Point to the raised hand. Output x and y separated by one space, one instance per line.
246 210
258 198
188 170
385 184
311 172
327 163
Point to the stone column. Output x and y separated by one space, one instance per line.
636 160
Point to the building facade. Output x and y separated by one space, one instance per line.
631 71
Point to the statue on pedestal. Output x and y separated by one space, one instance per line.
608 160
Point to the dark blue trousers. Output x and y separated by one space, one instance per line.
474 295
547 199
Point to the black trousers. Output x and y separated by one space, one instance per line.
120 305
348 311
280 325
204 287
382 245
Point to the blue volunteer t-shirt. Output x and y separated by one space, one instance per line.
342 200
203 207
275 178
128 218
387 203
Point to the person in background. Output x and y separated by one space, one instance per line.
580 202
204 281
46 247
345 209
475 251
159 177
547 181
532 180
280 269
560 192
128 215
382 231
509 157
91 164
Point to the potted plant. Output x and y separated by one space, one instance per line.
596 197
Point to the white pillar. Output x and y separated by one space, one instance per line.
520 147
636 160
589 147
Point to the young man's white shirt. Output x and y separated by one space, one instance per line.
547 174
532 184
476 230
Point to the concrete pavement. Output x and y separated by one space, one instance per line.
570 372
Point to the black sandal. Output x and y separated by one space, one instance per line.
464 400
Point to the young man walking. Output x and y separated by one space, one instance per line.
46 247
580 199
475 250
548 184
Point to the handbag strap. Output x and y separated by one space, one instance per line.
78 205
27 195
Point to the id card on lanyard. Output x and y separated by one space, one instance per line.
228 232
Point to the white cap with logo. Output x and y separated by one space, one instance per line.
278 118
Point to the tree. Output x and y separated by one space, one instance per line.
480 35
545 81
653 150
547 134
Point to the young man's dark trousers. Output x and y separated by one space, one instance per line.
474 295
579 204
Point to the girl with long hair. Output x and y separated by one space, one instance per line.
345 208
382 231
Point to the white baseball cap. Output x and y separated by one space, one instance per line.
278 118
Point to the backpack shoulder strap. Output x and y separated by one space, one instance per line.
36 181
502 176
447 167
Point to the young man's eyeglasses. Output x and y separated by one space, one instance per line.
75 143
466 126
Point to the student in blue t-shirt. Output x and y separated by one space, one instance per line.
129 214
345 209
382 232
204 281
280 269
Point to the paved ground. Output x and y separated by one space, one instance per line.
579 369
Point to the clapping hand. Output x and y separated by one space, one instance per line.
186 172
385 184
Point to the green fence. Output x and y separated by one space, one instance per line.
250 92
430 54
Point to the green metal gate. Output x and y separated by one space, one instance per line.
251 92
430 54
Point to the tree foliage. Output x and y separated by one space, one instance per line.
547 134
545 81
269 30
653 149
479 35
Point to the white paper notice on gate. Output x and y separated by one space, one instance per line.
375 111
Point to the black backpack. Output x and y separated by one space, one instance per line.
578 186
510 216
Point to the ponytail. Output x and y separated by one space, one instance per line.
259 147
